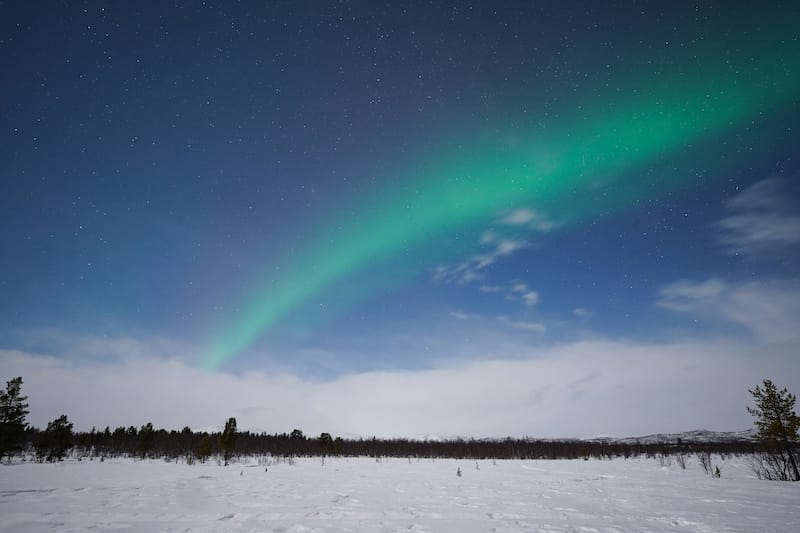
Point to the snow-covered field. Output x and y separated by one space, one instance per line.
393 495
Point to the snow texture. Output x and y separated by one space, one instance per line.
393 495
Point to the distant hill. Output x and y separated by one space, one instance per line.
698 435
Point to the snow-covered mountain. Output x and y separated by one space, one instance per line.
698 435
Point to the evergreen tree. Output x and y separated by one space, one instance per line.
777 425
227 440
145 441
54 442
186 440
13 411
204 450
325 443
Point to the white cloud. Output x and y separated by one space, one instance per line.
463 273
509 246
582 312
763 195
770 309
500 246
535 327
519 216
459 315
484 379
520 291
530 298
545 393
763 221
534 220
491 289
469 270
469 275
519 287
685 295
488 237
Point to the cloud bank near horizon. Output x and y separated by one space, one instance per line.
583 388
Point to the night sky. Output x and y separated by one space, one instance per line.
403 218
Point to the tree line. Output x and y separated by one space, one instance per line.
775 446
146 442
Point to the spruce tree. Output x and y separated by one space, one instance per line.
54 442
145 439
325 443
204 450
13 411
777 425
227 441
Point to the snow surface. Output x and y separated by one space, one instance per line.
393 495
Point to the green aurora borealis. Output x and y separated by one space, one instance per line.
604 137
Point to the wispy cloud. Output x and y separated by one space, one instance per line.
530 298
535 327
685 295
470 270
516 291
520 291
762 221
582 312
770 310
518 287
492 289
529 218
497 244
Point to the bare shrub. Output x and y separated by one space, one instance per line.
705 462
774 466
680 458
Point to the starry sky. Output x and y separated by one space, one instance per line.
402 218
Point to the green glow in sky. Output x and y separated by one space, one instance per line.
601 139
